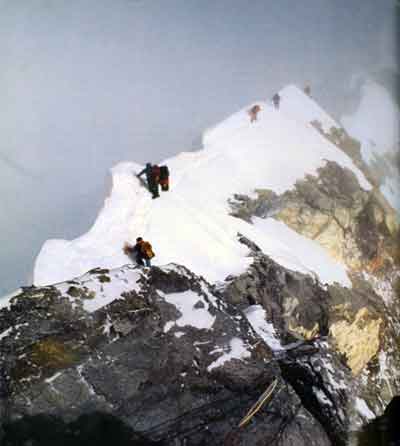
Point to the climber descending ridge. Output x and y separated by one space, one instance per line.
253 112
142 252
152 178
155 176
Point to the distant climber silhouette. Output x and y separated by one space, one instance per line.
276 100
152 178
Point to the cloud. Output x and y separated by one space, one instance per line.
18 168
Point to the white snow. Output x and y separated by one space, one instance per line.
15 328
107 326
322 397
237 349
53 378
303 108
256 316
196 317
335 377
296 252
390 189
382 288
190 224
5 333
385 371
5 301
89 387
121 280
363 409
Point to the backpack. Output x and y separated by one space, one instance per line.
164 172
147 250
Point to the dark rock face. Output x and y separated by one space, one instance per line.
169 360
377 170
300 308
359 229
290 299
384 430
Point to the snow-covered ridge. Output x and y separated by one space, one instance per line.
191 224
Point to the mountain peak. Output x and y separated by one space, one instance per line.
299 105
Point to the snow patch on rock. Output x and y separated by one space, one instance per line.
256 316
102 288
363 409
236 350
193 308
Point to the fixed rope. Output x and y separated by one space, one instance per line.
264 397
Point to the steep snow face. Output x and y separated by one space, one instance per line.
304 109
190 224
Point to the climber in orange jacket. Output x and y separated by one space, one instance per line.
142 251
253 112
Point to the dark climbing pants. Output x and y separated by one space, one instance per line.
153 188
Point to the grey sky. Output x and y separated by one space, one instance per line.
88 83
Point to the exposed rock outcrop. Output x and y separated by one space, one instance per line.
363 322
353 225
171 357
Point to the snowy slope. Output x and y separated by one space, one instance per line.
303 108
190 223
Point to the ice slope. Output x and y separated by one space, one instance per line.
190 224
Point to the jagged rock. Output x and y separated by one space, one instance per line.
383 430
359 340
356 227
171 374
362 324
